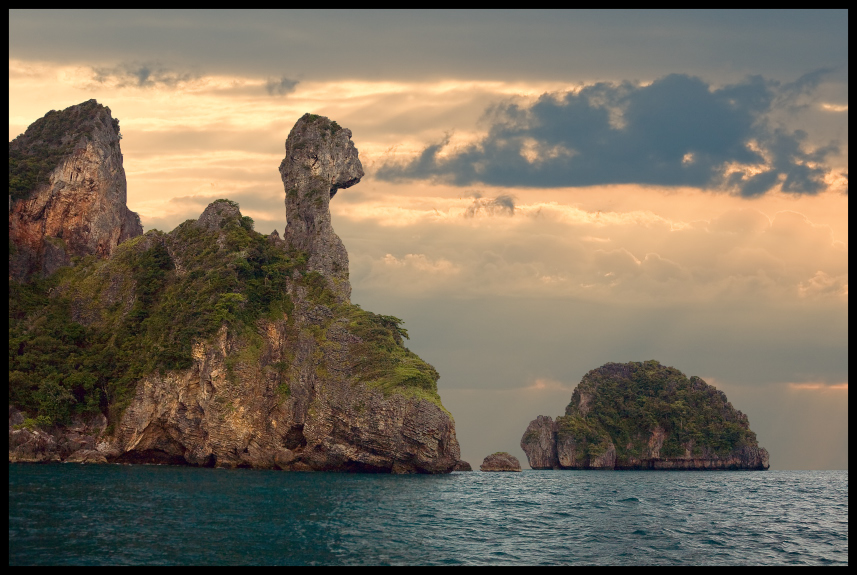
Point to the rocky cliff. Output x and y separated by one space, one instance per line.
644 416
214 345
67 191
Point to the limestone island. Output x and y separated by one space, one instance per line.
500 461
643 415
211 345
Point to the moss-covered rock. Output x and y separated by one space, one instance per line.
643 415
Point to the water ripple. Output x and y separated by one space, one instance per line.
157 515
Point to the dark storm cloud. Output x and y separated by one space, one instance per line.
142 75
280 87
806 84
677 131
399 45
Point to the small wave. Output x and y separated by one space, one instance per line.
226 518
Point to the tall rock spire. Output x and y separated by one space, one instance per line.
67 191
320 160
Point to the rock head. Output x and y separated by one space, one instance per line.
320 160
67 191
500 461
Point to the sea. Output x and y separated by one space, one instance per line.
73 514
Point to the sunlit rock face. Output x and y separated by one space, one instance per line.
80 208
643 415
320 160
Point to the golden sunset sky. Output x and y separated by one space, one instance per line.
545 191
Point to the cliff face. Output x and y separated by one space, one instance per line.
644 416
67 191
233 349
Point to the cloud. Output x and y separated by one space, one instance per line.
823 284
280 87
820 386
421 263
676 131
462 44
790 92
542 384
501 205
147 75
551 249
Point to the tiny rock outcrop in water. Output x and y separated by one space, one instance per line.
500 461
214 345
67 191
643 415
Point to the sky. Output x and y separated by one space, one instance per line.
545 192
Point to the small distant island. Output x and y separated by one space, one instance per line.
644 415
500 461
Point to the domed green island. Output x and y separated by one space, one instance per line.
643 415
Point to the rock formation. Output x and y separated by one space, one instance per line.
67 191
500 461
228 348
541 443
462 466
644 416
320 160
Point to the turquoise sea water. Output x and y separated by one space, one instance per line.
128 514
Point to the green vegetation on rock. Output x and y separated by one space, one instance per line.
81 339
380 359
625 403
